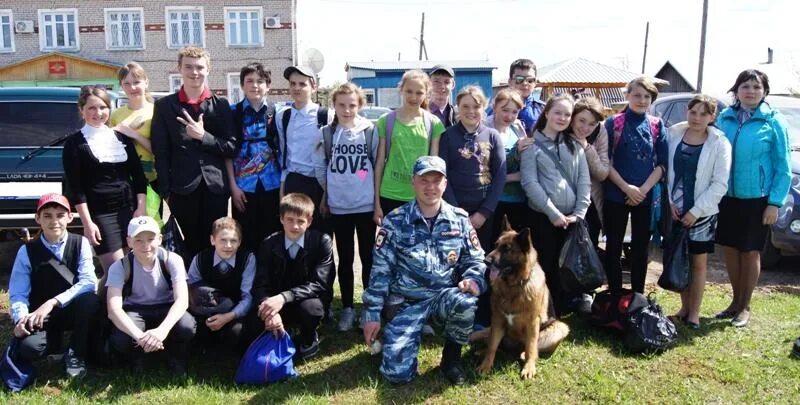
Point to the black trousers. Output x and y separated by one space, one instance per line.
80 316
148 317
297 183
344 226
260 216
230 336
548 241
388 204
594 224
306 314
616 222
195 213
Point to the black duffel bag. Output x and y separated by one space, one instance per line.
647 329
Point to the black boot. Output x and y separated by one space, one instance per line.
451 364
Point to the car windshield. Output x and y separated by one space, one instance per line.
37 123
373 113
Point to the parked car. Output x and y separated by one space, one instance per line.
372 113
784 236
34 121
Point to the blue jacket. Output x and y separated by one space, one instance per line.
415 262
760 164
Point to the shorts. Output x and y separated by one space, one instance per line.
740 223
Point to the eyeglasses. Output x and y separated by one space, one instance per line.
524 79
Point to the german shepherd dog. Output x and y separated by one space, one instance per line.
520 302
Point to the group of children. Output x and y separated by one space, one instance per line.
317 175
228 296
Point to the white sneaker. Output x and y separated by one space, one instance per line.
346 319
427 330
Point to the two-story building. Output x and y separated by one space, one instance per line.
72 43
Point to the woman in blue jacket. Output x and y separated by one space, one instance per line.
758 184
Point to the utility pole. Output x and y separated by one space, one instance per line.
646 34
422 38
702 48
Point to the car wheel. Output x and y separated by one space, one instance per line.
770 255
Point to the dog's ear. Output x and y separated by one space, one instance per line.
524 240
505 225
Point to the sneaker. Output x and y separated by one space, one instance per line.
796 348
427 330
310 350
346 319
74 366
741 319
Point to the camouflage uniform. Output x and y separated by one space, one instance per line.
422 269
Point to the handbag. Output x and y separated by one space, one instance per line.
676 275
579 266
267 360
16 373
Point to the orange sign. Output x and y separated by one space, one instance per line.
57 67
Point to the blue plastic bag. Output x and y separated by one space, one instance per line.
16 374
267 360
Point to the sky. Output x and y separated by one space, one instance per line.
548 31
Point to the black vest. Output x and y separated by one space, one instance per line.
229 283
46 281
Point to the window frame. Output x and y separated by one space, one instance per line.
107 28
171 82
168 25
260 32
233 87
12 47
41 13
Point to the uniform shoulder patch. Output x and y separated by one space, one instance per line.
380 238
460 212
473 239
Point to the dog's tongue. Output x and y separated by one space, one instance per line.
493 274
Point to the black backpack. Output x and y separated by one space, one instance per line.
322 120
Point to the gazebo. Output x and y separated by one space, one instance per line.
582 78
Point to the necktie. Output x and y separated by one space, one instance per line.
293 249
223 267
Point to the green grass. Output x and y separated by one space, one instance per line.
717 364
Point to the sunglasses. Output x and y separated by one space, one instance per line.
524 79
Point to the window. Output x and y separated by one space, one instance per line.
6 31
234 88
369 94
243 26
185 27
175 82
62 118
58 30
124 28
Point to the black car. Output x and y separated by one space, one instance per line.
784 236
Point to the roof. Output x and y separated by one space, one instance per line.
669 65
401 66
62 55
579 70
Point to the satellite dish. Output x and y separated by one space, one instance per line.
313 58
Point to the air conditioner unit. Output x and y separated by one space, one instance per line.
272 22
23 26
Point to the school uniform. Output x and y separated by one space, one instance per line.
191 173
302 274
35 279
232 280
298 143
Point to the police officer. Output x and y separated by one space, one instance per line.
428 266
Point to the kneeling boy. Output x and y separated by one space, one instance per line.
220 281
294 274
147 299
54 273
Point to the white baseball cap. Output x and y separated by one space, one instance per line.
142 224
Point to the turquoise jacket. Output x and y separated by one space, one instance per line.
760 164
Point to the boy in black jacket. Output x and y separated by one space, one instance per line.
294 274
192 135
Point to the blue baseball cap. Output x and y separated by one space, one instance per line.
427 164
